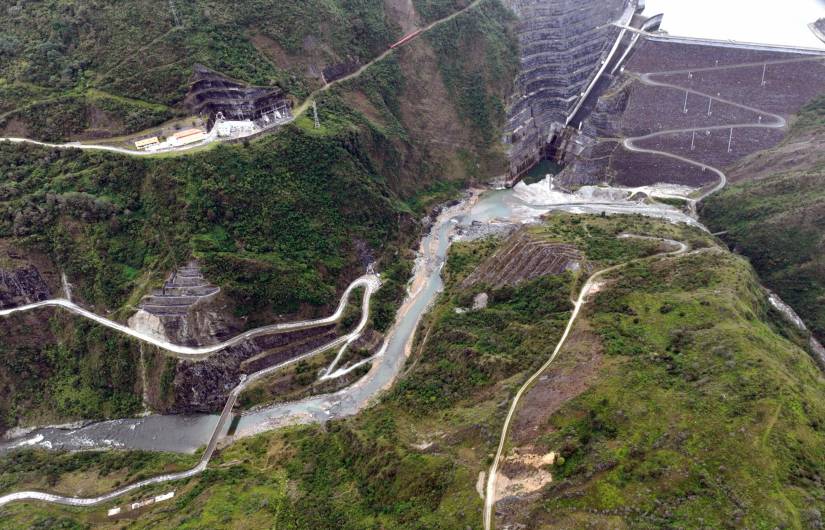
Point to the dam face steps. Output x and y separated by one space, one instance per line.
563 44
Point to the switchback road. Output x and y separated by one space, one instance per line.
370 282
769 121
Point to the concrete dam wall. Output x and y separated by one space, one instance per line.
563 44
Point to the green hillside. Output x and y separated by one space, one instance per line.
774 214
277 222
699 410
146 49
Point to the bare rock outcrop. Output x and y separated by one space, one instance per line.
21 286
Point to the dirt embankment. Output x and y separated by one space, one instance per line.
528 467
802 151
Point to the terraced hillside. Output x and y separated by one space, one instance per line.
562 45
280 224
523 258
713 104
55 52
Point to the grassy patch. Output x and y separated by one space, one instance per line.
706 416
90 472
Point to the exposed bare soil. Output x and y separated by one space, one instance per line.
528 465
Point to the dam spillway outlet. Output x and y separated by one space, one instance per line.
563 45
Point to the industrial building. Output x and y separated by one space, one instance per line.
187 137
147 143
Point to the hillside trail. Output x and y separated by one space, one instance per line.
308 101
592 281
775 121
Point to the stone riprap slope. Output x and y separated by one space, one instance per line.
562 45
211 93
203 386
714 111
178 311
184 288
524 257
186 308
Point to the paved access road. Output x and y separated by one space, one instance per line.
370 282
301 109
770 120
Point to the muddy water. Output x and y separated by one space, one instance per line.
185 434
528 202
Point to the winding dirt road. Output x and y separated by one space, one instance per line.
371 284
300 110
774 121
490 490
770 121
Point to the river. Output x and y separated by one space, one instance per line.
185 434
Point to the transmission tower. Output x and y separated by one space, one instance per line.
315 112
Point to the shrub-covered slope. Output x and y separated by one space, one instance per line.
774 213
705 411
145 49
281 223
275 223
93 69
680 401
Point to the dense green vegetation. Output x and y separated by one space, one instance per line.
776 216
281 223
78 371
52 53
470 351
62 472
146 49
62 117
275 223
468 71
708 416
411 461
433 115
431 10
